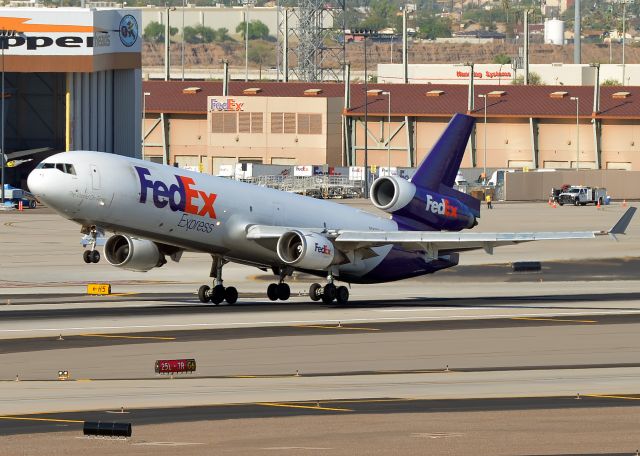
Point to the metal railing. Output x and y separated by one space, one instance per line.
314 186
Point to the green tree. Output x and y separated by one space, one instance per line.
611 82
502 59
199 34
258 30
154 32
432 27
222 34
381 14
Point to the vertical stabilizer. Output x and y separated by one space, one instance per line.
443 162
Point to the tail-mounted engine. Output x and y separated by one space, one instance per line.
307 250
416 208
133 254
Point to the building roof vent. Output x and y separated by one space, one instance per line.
435 93
374 92
191 90
620 95
496 93
252 91
312 92
558 94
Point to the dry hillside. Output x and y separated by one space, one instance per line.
211 55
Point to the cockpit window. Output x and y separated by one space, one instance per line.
66 168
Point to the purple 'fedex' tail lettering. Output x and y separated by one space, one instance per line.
429 201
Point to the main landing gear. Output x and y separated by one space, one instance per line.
92 255
280 290
219 292
329 292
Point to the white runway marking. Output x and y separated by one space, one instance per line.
308 322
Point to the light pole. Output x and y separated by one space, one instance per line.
144 112
484 177
246 38
577 100
365 33
5 34
182 49
624 32
388 94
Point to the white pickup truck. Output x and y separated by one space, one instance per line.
580 195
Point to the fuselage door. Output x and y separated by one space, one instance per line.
95 177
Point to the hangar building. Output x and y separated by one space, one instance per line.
72 81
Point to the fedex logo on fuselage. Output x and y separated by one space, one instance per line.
324 249
180 196
443 207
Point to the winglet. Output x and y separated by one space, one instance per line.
621 226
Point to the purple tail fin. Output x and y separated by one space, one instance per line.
438 170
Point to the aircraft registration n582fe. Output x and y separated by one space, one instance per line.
157 211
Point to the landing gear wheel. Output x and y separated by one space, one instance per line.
329 293
203 294
217 294
284 292
86 256
314 292
272 291
94 256
230 295
342 295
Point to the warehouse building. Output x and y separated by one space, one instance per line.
276 123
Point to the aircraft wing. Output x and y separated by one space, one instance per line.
439 241
436 241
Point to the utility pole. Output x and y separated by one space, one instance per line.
577 54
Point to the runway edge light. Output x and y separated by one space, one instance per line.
100 289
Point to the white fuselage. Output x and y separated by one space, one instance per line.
115 193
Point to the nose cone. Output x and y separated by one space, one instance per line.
35 182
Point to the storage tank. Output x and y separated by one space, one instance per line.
554 32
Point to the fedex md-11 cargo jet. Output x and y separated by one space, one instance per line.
157 211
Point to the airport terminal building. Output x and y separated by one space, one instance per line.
72 81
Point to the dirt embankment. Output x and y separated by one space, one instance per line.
211 55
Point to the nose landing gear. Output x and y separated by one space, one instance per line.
91 255
219 292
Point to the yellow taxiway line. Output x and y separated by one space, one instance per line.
554 319
52 420
115 336
609 396
310 407
337 327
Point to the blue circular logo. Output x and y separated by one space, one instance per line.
128 30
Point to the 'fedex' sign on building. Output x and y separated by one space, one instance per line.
229 104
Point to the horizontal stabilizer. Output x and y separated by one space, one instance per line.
621 226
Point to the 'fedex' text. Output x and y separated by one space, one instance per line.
180 196
324 249
443 207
